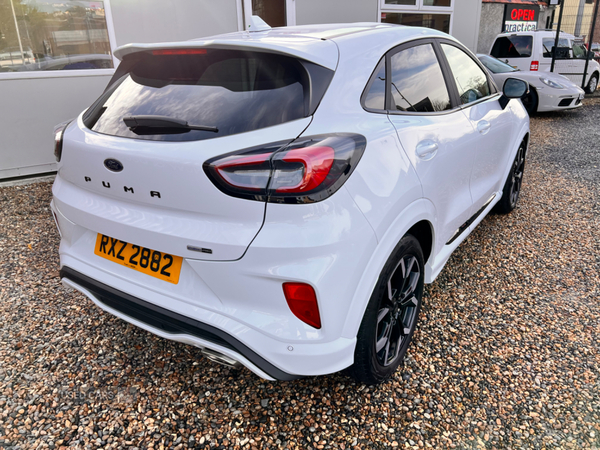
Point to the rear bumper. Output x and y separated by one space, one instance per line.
237 308
169 324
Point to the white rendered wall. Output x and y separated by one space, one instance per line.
465 22
335 11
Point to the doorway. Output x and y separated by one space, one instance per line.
277 13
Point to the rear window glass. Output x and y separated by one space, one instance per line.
512 47
228 91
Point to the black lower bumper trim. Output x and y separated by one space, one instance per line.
169 321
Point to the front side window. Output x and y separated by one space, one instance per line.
417 82
42 35
512 47
548 44
205 94
579 51
471 81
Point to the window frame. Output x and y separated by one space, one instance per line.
382 7
112 41
455 100
418 6
492 86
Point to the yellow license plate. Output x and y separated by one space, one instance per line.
151 262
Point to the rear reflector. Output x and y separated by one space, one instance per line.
180 51
302 300
535 65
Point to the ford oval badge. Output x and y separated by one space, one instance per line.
113 165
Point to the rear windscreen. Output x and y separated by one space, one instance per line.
227 91
512 47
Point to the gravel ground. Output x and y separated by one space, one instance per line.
506 354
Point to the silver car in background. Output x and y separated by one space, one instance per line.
548 91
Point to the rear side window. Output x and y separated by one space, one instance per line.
375 96
417 81
217 92
512 47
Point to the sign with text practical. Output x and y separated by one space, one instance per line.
520 18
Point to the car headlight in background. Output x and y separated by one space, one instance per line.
551 83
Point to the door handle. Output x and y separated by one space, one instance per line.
483 126
426 149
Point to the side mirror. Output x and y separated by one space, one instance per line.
513 88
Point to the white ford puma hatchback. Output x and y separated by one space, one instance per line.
278 198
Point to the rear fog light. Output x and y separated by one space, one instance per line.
302 300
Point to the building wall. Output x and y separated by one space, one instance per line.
31 105
490 25
171 20
335 11
30 109
466 22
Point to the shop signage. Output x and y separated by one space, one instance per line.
520 17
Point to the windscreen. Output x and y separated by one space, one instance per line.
172 95
512 47
496 66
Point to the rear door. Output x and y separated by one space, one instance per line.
492 125
433 132
562 64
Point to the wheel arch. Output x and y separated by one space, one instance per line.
418 219
423 232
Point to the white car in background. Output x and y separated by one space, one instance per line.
532 51
279 197
548 91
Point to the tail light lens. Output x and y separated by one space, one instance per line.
59 131
306 170
302 300
535 65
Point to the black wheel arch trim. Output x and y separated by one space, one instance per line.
169 321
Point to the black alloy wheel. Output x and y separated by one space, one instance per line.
397 313
512 187
517 176
391 315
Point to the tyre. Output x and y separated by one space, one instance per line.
592 84
391 315
530 101
512 187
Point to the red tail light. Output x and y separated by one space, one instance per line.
302 300
535 65
306 170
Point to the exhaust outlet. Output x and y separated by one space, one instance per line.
220 358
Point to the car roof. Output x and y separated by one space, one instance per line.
315 43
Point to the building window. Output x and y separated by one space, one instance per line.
436 14
51 35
